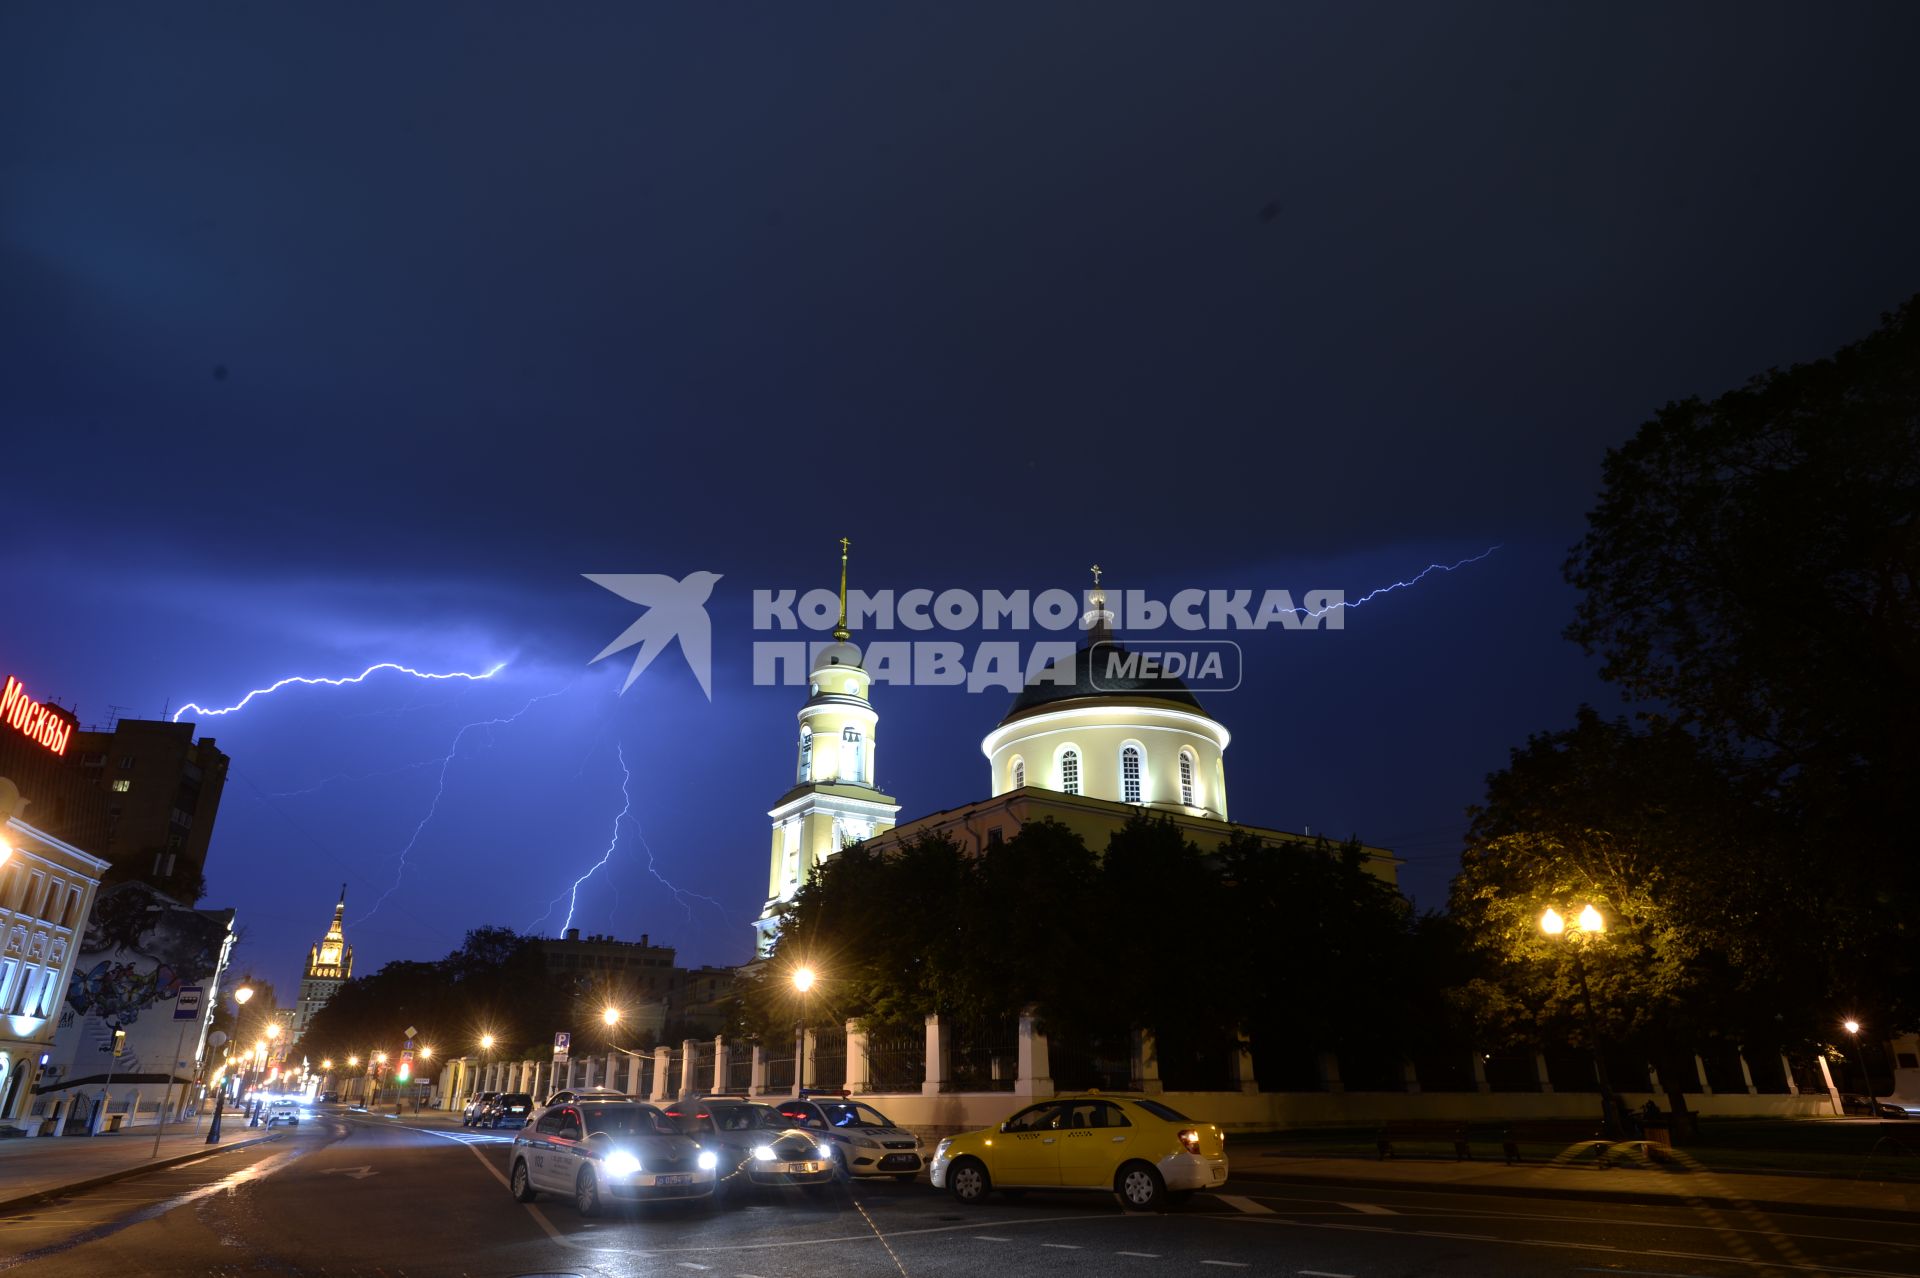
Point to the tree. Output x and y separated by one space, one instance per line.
1752 573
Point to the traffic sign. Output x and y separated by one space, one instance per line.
187 1007
562 1043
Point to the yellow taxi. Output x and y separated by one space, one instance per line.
1147 1152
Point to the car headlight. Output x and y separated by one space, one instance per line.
621 1163
826 1152
763 1153
708 1160
940 1151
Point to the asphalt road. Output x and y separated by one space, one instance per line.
353 1195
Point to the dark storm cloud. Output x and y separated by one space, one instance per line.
335 331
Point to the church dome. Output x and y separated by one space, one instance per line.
840 653
1101 672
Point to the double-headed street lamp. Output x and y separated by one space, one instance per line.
1590 924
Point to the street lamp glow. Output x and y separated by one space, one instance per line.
426 1053
379 1058
6 850
242 994
1852 1027
1590 920
352 1061
273 1030
486 1042
327 1064
803 979
1551 923
611 1015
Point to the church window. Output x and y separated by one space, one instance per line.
806 755
1186 777
1019 773
853 761
1130 773
1070 770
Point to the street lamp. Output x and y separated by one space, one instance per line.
611 1015
1592 924
803 979
1852 1027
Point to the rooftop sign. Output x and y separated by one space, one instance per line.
38 722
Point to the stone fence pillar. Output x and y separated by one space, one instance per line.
757 1078
1035 1076
859 1072
1146 1062
939 1056
689 1067
1241 1065
662 1067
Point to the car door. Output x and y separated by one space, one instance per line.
1095 1137
1027 1149
540 1153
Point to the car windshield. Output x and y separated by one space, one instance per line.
747 1118
1164 1112
627 1120
853 1114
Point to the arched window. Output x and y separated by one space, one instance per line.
806 755
1070 770
853 760
1018 775
1130 773
1186 778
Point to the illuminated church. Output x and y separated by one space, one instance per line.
1088 747
329 966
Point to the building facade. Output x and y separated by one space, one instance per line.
834 799
162 791
329 966
47 891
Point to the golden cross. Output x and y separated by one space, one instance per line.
1096 574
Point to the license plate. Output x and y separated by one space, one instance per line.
673 1180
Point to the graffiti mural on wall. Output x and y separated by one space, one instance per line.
140 948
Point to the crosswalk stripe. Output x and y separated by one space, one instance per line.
1246 1205
1370 1209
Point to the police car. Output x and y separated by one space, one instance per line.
757 1144
865 1141
593 1151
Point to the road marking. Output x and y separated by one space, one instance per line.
991 1238
1061 1246
1227 1264
688 1264
358 1173
1143 1255
1370 1209
1246 1205
1321 1273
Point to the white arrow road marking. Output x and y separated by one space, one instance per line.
358 1173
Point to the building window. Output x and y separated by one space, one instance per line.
1018 777
1130 773
1186 778
994 838
126 763
853 757
122 785
1070 770
806 755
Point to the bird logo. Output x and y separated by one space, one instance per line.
674 610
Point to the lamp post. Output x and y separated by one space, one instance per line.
1852 1027
803 979
486 1059
1590 924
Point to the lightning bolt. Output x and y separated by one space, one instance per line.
1398 585
572 894
334 683
440 790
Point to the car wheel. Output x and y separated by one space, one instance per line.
523 1190
1140 1188
586 1193
968 1181
841 1171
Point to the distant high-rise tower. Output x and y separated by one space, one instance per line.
329 966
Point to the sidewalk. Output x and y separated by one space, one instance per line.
1825 1195
31 1169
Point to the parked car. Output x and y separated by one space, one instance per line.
757 1144
567 1094
329 1098
1148 1153
476 1103
508 1109
865 1141
597 1150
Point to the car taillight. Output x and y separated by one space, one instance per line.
1190 1139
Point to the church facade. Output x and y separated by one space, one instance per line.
329 966
1089 747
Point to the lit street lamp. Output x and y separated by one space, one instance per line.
803 979
1591 924
1852 1027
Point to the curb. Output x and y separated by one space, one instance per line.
10 1205
1629 1197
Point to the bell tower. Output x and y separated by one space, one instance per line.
329 966
834 800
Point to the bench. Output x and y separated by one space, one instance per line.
1454 1134
1564 1132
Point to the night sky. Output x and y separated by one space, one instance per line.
350 334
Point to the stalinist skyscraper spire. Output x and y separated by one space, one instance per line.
329 966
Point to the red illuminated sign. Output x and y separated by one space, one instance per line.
38 722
